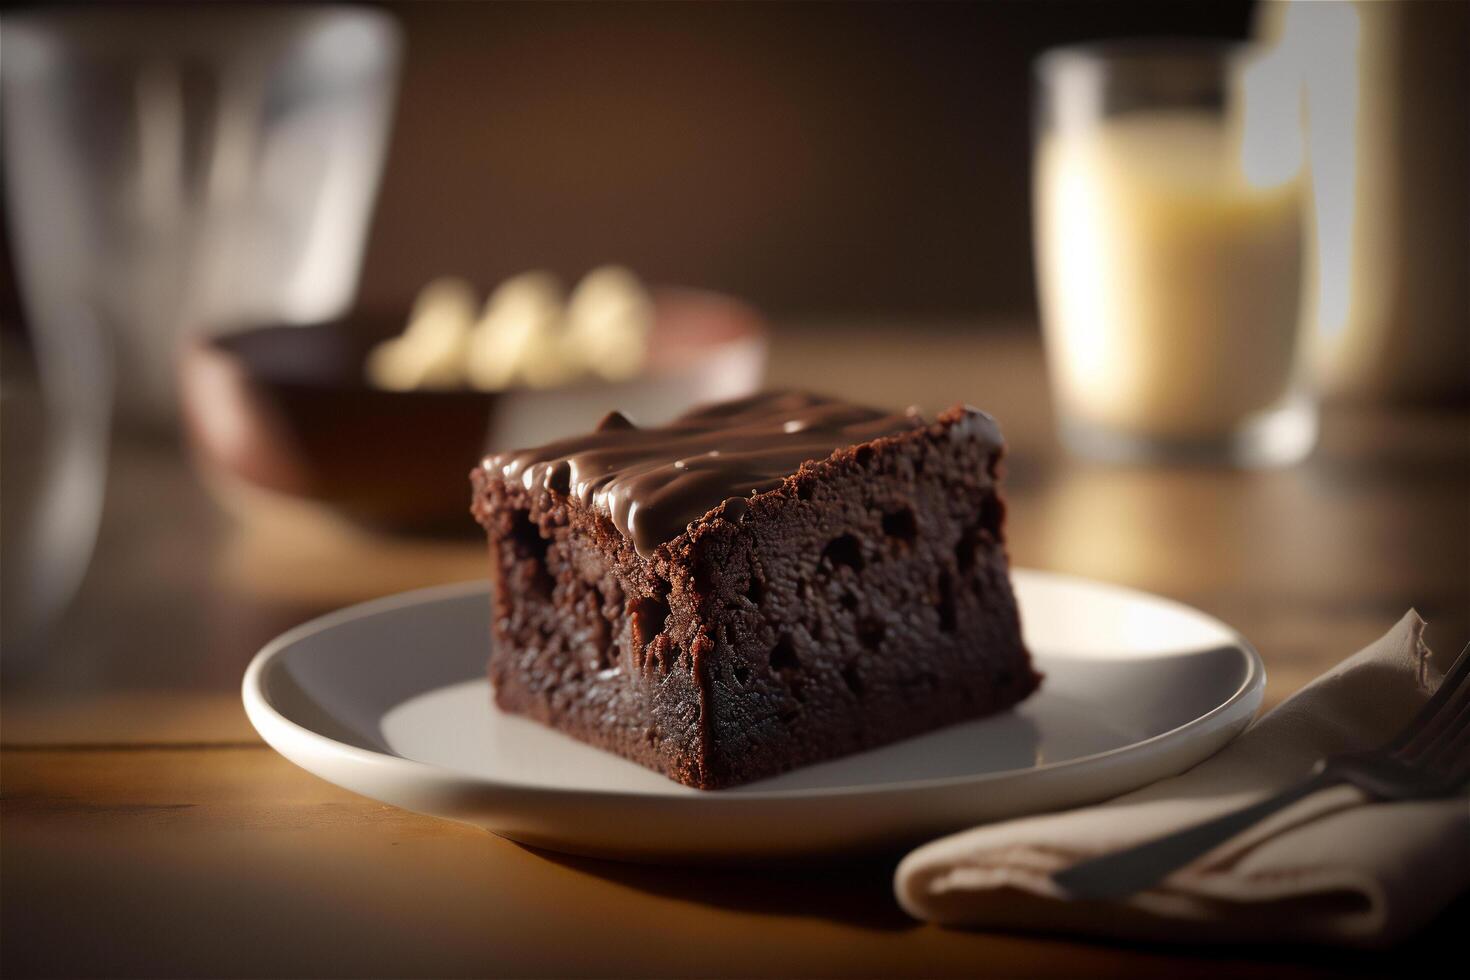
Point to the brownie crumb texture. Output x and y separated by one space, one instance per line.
863 599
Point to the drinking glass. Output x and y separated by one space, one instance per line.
168 168
190 167
1169 250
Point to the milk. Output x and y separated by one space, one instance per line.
1169 275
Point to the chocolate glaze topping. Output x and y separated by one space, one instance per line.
654 482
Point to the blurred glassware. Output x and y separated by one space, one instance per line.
1168 208
190 166
166 168
1387 89
55 436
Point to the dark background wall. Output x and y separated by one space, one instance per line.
837 158
813 157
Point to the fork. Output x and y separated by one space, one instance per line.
1429 758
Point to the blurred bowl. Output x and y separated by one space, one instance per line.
286 410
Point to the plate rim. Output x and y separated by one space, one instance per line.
276 728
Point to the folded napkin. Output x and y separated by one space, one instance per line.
1333 868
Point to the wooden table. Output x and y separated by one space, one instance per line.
147 831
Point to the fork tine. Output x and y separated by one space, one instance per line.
1444 725
1454 680
1440 752
1459 754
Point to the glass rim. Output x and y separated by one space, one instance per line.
1105 53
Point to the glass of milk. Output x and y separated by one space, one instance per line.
1169 252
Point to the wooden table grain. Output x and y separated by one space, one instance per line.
145 830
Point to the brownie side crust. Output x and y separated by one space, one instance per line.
864 599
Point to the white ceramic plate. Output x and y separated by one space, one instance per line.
389 699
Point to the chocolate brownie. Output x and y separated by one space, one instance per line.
759 585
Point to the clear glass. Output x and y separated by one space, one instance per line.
1169 206
190 167
168 168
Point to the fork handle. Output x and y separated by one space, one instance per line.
1123 873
